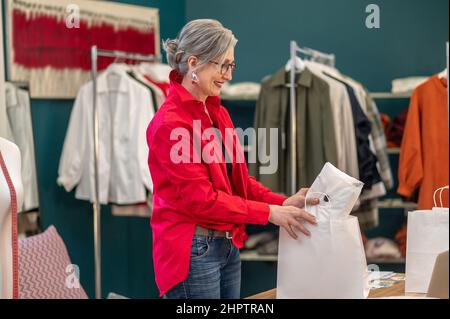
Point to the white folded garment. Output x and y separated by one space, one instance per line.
408 84
337 191
244 90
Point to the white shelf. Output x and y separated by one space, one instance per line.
389 95
254 256
238 98
396 203
394 150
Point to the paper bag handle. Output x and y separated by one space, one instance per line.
440 190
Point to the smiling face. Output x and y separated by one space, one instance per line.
210 77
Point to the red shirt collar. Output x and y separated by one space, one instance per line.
175 83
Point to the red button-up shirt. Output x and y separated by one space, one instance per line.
196 192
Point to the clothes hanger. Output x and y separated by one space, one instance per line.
145 66
299 65
115 73
118 68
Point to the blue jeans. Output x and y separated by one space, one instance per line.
214 271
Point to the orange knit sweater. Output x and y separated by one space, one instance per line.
424 151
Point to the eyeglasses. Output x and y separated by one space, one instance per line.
225 67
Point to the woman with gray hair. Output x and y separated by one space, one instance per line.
201 206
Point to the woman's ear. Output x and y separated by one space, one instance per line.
192 62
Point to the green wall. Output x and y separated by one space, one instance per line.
411 40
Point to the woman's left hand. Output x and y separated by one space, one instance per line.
298 199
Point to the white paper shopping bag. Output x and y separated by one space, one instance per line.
331 263
427 237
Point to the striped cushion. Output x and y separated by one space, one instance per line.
45 270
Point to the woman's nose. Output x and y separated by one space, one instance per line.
228 75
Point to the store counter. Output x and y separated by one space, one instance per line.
397 289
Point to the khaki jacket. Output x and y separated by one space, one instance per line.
315 140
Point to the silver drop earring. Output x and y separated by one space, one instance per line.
194 77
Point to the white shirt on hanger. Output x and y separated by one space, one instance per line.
19 116
125 110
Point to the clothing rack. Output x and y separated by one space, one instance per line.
95 53
326 58
294 49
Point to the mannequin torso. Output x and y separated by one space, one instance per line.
11 157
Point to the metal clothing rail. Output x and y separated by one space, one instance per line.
328 57
95 53
294 48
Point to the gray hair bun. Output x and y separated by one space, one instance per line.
173 54
206 39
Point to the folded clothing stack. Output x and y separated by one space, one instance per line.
382 248
265 243
243 90
406 85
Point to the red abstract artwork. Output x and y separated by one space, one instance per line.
48 54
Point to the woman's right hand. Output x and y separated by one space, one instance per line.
290 217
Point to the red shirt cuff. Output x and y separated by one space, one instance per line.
275 199
258 213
